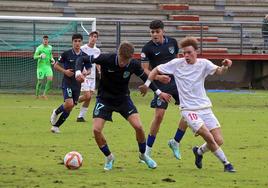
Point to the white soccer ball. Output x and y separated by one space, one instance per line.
73 160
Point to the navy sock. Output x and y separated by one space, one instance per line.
105 150
142 147
179 134
150 140
62 118
59 109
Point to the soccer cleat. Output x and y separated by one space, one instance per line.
148 160
229 168
55 129
53 118
148 152
174 146
198 158
80 119
44 97
109 162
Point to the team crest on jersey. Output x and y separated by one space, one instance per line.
143 55
171 49
126 74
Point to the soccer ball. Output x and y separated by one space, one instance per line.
73 160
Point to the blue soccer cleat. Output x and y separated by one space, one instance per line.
148 160
198 158
229 168
174 146
148 152
109 162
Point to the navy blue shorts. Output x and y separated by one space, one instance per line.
157 103
104 108
69 93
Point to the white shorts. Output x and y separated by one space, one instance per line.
88 84
196 118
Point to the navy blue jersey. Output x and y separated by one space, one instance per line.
157 54
68 60
114 79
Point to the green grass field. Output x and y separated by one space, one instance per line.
31 156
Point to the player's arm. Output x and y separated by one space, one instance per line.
37 53
81 63
67 72
226 63
153 74
167 68
52 60
165 79
143 88
58 67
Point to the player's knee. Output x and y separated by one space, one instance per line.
69 106
183 125
138 128
96 131
219 141
87 97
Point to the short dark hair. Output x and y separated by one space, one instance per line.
156 24
45 37
77 36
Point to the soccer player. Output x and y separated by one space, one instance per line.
190 73
88 86
159 50
70 86
113 96
43 55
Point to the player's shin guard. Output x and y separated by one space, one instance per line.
221 156
62 118
179 134
38 87
142 147
150 140
48 87
59 109
105 150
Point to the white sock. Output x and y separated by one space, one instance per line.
148 150
110 157
221 156
83 112
202 149
175 142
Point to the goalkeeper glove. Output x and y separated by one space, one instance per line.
42 56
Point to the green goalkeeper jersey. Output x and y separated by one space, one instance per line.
47 52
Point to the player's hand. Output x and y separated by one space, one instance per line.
165 97
69 72
86 72
227 62
80 78
43 56
143 89
165 79
52 61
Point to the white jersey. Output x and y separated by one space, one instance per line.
91 51
190 79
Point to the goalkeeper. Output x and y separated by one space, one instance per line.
44 57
